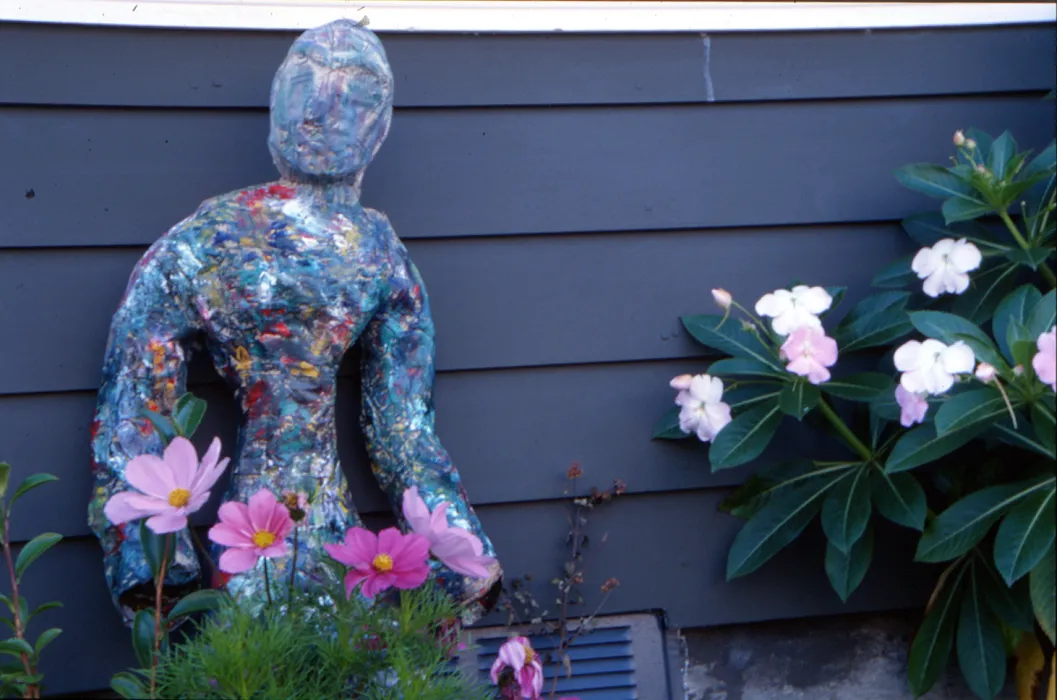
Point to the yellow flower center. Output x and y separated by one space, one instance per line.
529 654
382 562
263 539
178 498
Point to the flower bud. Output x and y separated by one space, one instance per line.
722 297
959 138
682 382
970 144
985 372
981 169
1018 370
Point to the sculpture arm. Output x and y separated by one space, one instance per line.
144 368
398 416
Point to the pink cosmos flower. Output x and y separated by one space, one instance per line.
1045 361
253 531
810 352
913 406
169 488
526 670
459 550
386 560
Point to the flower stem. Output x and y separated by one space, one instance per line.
267 584
32 691
293 570
845 432
1043 267
158 583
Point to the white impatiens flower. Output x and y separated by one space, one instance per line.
929 367
702 410
794 309
945 266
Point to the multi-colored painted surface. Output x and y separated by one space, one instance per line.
281 280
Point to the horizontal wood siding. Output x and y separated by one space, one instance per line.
566 197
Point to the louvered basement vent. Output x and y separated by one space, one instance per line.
622 658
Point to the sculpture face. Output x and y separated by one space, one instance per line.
331 103
281 280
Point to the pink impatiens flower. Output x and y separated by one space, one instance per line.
945 266
810 351
459 550
913 406
251 531
1045 361
702 410
386 560
169 488
525 669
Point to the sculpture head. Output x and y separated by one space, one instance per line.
331 104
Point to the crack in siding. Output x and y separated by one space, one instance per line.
710 94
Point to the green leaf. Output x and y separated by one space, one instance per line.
959 528
667 428
760 487
1023 350
1002 150
955 210
44 607
29 483
1042 164
777 524
876 320
46 637
1025 535
1045 424
950 329
846 510
743 366
730 338
204 600
1016 306
900 498
188 413
5 474
797 398
932 644
985 291
981 647
928 228
162 424
154 546
1044 315
128 686
16 647
846 571
1043 582
1021 436
143 637
33 549
932 180
1031 258
922 445
1012 605
895 275
862 386
745 437
971 408
741 397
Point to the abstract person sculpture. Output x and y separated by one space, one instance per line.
281 280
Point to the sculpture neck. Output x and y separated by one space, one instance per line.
328 195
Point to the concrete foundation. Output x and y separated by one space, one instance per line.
853 657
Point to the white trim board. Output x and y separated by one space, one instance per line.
526 15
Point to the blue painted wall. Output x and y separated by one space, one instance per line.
566 197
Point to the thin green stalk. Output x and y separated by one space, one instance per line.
158 585
267 584
293 570
1043 267
845 432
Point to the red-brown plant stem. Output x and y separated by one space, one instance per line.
31 690
158 583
